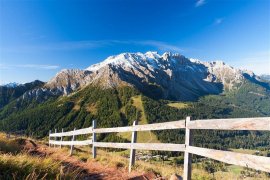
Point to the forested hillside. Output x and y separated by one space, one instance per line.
7 94
114 107
77 111
237 104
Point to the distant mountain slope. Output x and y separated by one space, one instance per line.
265 77
10 85
12 91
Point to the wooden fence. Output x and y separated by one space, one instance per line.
251 161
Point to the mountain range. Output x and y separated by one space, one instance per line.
265 77
167 76
148 87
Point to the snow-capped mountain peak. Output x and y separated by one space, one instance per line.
172 75
150 59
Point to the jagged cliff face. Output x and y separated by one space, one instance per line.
171 76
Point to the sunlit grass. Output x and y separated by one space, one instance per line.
179 105
20 165
142 136
16 163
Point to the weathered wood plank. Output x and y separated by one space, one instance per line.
71 147
256 162
262 123
143 146
187 155
94 139
145 127
71 133
69 143
50 131
132 151
55 131
61 139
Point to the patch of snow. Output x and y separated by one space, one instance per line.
11 85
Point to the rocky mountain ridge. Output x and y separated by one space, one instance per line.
265 77
10 85
170 76
14 91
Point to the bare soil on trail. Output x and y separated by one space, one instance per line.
89 170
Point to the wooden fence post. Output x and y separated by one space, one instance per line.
61 138
187 156
73 138
50 138
55 137
94 150
132 151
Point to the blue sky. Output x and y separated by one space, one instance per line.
39 38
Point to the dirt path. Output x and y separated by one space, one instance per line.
90 169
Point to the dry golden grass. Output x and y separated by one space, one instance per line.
76 107
120 160
9 146
179 105
92 108
16 163
24 166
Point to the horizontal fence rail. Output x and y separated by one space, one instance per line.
147 127
70 143
74 132
259 124
251 161
144 146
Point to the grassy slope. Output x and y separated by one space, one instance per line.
237 169
16 163
119 159
23 165
144 136
178 105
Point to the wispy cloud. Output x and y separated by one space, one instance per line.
199 3
258 62
33 66
218 21
89 44
160 45
3 66
157 44
39 66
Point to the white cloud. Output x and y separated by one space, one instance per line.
258 62
39 66
199 3
34 66
160 45
88 44
103 43
3 66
